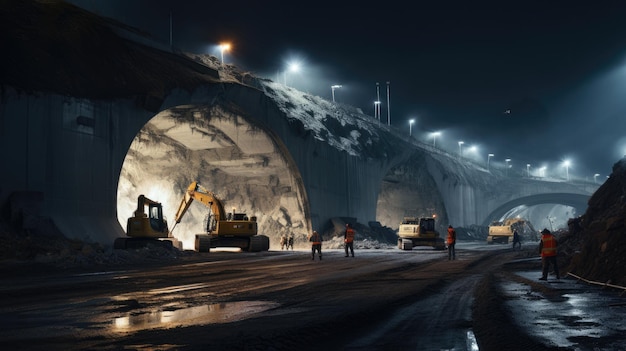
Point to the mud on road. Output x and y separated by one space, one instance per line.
379 300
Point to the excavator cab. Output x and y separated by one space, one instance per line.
157 221
150 225
146 228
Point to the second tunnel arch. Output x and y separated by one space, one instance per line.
577 201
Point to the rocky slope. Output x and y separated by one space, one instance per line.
595 246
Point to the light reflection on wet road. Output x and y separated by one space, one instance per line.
579 314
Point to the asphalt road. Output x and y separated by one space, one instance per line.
277 300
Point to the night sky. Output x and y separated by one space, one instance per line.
455 67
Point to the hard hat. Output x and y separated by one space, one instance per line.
545 231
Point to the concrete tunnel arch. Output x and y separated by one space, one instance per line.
577 201
246 165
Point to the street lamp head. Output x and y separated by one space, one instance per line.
491 155
411 121
461 143
294 67
225 47
335 86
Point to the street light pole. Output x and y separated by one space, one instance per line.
435 135
528 169
489 158
224 47
566 164
377 110
460 148
333 90
293 67
411 121
595 177
388 107
507 165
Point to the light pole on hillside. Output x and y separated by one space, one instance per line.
411 121
377 110
566 163
293 67
332 88
488 159
461 148
595 177
388 107
435 135
528 169
507 165
224 47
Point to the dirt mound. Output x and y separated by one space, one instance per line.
596 241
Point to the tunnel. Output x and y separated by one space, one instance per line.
245 166
551 210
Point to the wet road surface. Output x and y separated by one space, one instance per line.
381 299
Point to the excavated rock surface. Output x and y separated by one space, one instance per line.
596 241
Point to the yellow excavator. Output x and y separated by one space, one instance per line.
222 229
143 228
415 231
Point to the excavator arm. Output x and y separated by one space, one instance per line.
234 230
197 192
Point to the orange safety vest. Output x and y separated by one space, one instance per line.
316 239
548 245
451 236
349 235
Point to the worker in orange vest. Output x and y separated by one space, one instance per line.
451 241
547 247
316 245
348 239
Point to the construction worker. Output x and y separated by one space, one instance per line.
348 239
283 242
547 247
290 242
516 240
316 244
451 241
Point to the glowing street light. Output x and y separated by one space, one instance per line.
489 158
332 88
528 169
566 163
224 47
542 171
435 135
595 177
293 67
461 148
377 110
411 121
507 165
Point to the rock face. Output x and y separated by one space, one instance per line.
600 234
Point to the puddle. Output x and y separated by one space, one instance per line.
581 315
206 314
